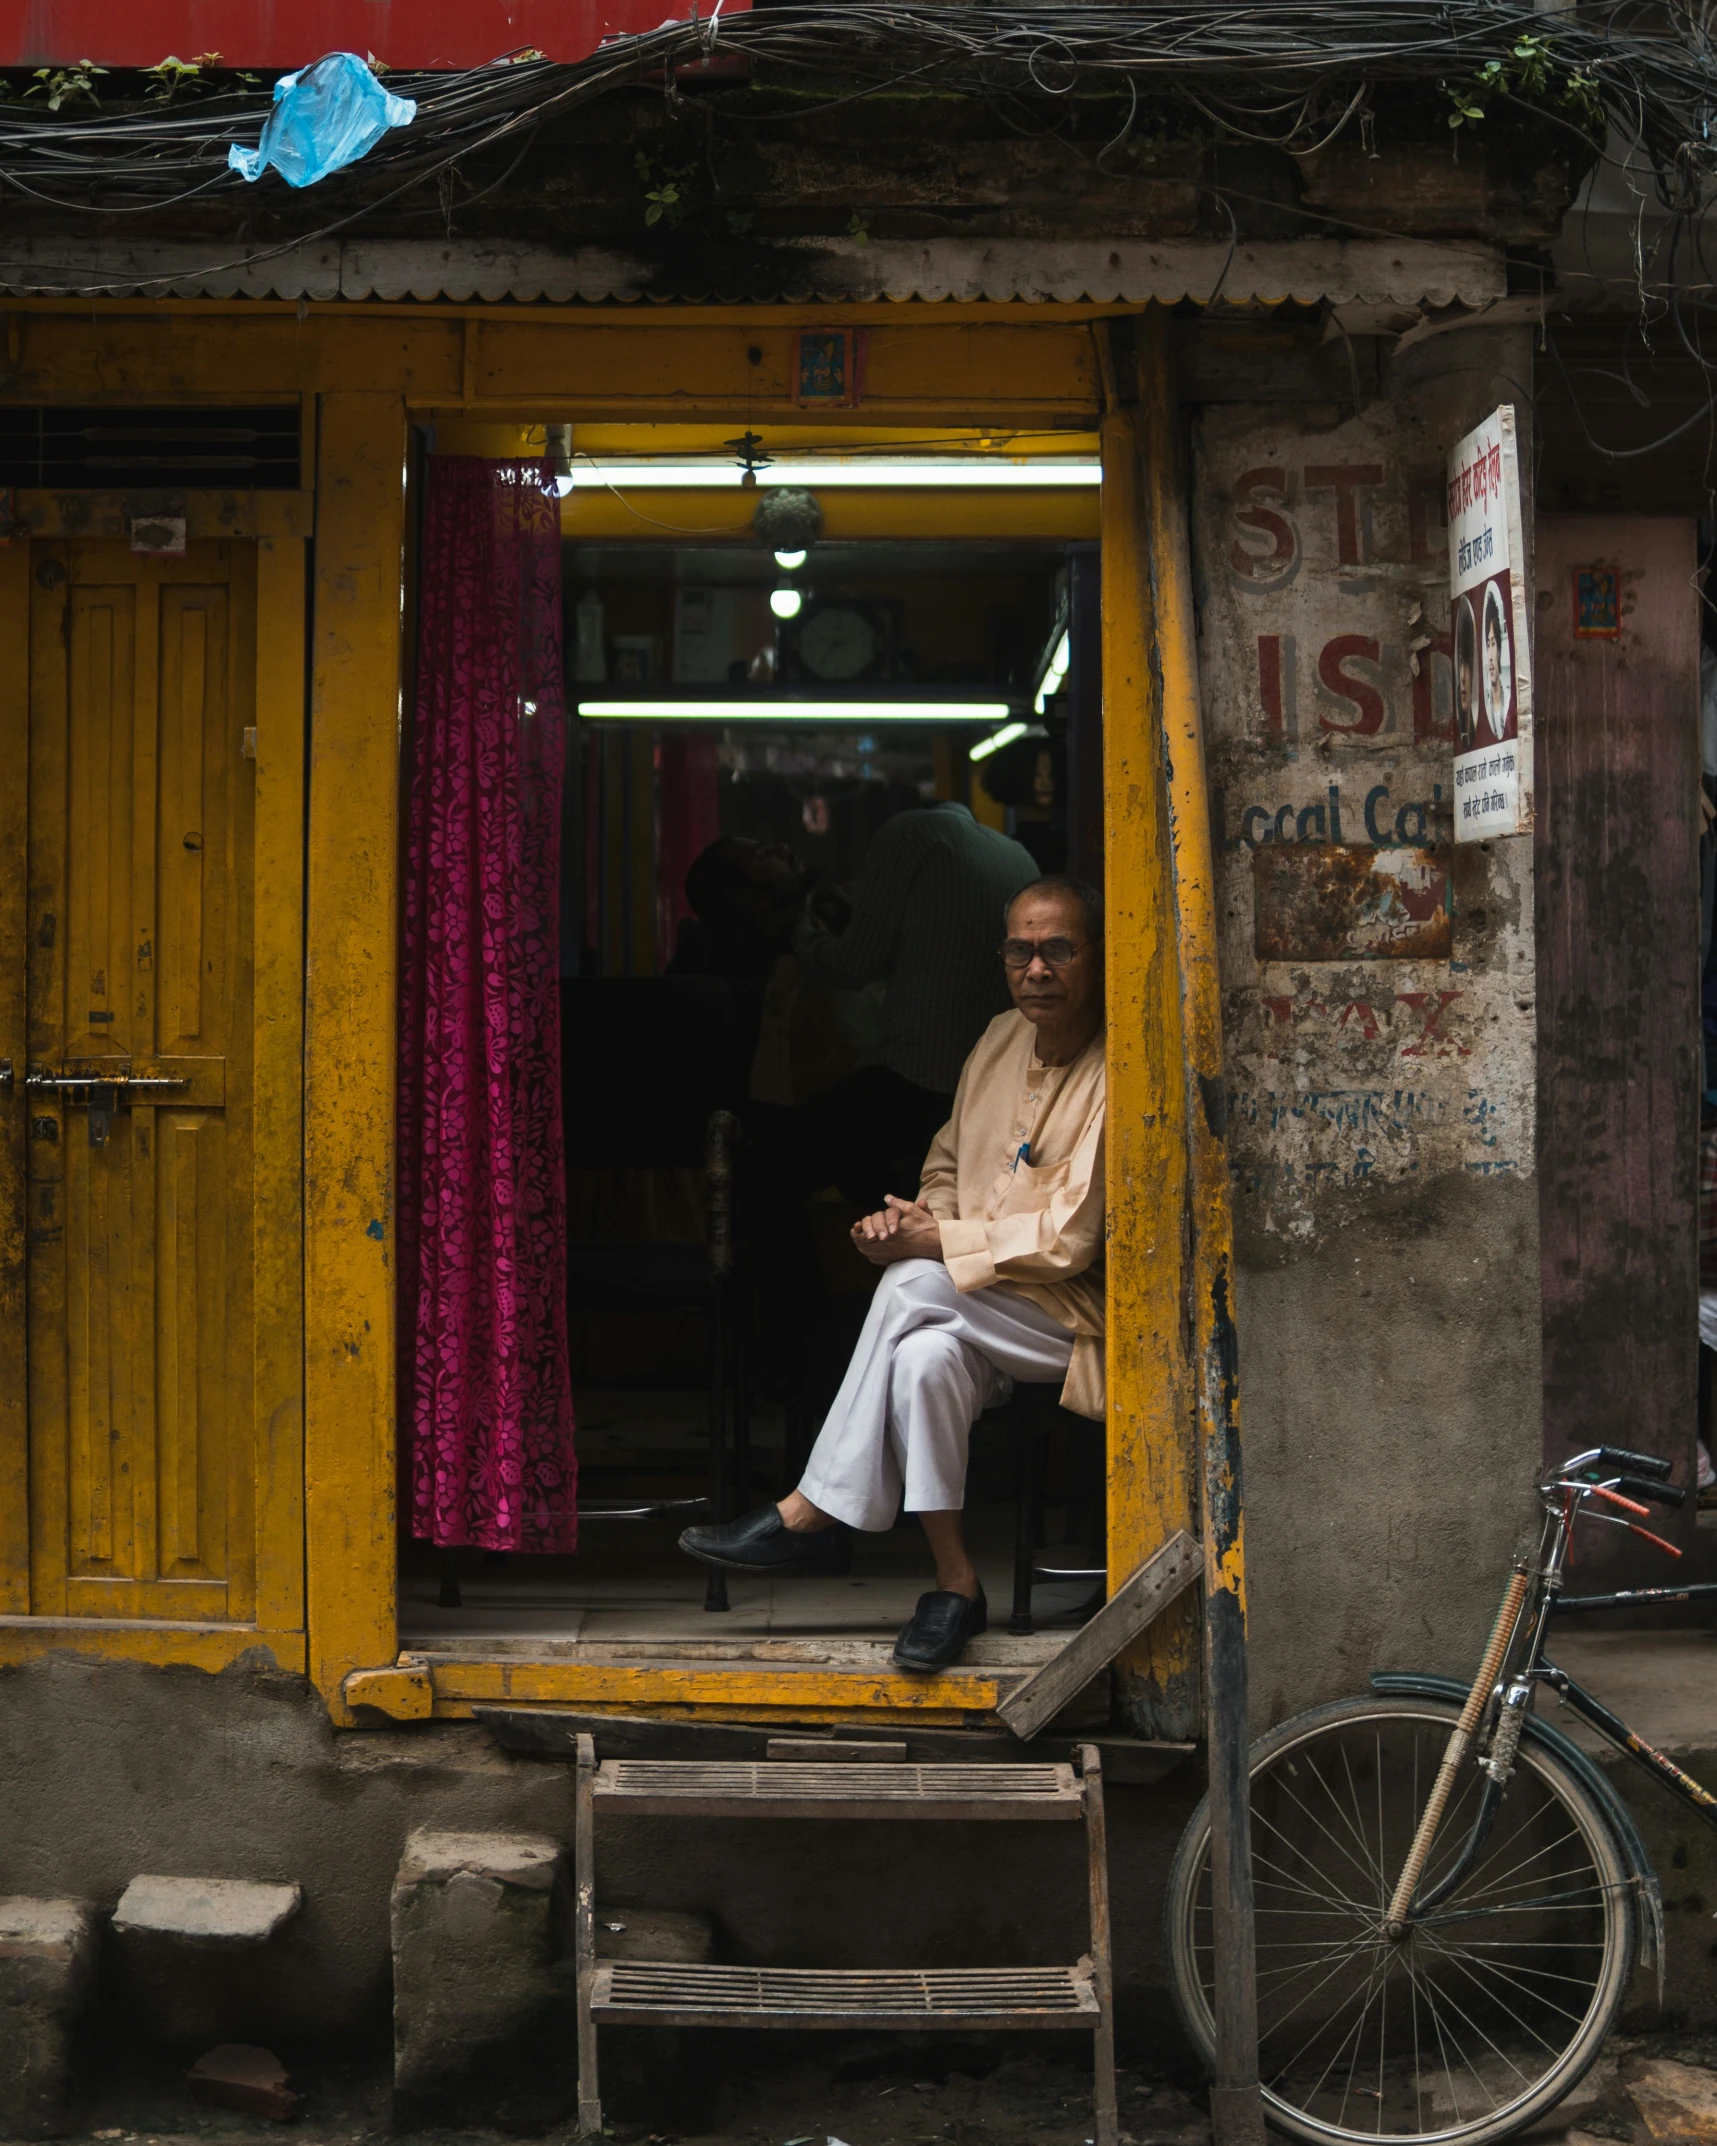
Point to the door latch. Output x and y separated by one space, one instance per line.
102 1093
103 1101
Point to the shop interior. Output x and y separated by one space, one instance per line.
787 665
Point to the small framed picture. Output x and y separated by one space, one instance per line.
1597 603
634 659
828 367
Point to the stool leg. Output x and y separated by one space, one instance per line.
715 1591
584 1936
1031 1479
1020 1621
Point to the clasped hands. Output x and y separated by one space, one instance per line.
905 1229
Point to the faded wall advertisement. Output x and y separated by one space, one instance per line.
1378 980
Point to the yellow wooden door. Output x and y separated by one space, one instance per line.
159 1088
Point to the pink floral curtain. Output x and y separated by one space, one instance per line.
486 1393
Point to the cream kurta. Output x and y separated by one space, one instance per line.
1031 1225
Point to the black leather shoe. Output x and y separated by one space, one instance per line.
762 1542
941 1625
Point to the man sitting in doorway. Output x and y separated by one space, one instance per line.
994 1273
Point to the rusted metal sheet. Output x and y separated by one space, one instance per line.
1333 901
423 34
830 269
1618 981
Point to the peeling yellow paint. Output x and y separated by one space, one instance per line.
1196 932
1150 1407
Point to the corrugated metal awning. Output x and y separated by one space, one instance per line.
1405 273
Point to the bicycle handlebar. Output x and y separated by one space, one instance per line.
1633 1486
1648 1464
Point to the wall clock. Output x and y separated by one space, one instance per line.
840 642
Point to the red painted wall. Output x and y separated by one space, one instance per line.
291 33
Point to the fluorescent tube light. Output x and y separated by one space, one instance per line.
948 471
793 711
1056 671
996 740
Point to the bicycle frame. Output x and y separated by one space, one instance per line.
1610 1726
1502 1698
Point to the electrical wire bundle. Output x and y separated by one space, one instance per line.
1291 74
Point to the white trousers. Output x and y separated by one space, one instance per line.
927 1365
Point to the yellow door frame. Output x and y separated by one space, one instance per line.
365 376
353 1601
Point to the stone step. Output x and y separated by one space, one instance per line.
47 1972
205 1911
481 1922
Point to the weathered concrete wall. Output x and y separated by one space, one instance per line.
1380 1049
110 1770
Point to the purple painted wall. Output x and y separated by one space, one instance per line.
1618 990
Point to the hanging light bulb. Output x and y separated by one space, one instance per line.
785 603
789 560
557 447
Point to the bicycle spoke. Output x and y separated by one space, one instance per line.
1500 1883
1373 1868
1540 1974
1382 2041
1455 2005
1323 2028
1288 1884
1306 1999
1283 1788
1379 1978
1442 2043
1501 1847
1525 2025
1548 1904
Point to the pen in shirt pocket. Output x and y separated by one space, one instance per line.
1024 1156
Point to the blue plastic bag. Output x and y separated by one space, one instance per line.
324 117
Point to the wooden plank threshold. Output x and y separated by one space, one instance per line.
990 1652
806 1691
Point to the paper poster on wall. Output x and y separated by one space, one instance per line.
1487 626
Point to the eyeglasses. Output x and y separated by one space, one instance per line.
1057 953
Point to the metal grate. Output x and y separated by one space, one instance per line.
693 1787
811 1996
73 447
770 1781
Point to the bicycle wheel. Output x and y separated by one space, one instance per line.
1488 2011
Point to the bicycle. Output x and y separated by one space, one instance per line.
1450 1895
